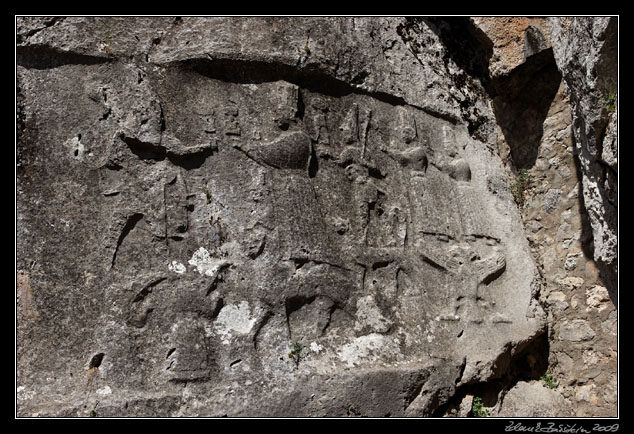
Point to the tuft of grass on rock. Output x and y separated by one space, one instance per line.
296 353
520 187
549 381
477 408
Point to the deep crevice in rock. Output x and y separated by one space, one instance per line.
256 72
46 57
526 362
246 71
521 105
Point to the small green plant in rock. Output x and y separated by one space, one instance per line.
208 194
477 408
296 353
307 49
610 102
549 381
352 410
520 186
93 413
107 44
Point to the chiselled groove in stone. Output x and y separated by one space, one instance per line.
439 234
129 225
259 326
201 379
217 279
219 305
250 157
45 57
147 289
170 352
433 263
313 165
300 262
486 237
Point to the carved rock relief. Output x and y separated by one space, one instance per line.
366 207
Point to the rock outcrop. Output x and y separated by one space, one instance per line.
273 216
586 53
536 113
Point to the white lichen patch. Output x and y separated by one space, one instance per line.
23 394
234 319
369 316
315 347
367 348
104 391
176 267
205 263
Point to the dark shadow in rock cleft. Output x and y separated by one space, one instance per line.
523 99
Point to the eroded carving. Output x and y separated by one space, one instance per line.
386 236
191 358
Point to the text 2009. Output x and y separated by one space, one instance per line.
606 428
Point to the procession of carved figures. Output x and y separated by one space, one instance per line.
396 221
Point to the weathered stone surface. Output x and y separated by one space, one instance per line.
577 330
597 298
554 213
513 40
533 399
275 216
585 49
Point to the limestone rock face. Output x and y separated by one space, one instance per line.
259 217
512 40
586 52
537 85
532 399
